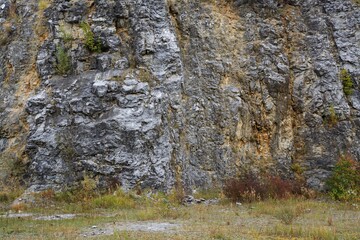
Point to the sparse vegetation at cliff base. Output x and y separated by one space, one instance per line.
121 215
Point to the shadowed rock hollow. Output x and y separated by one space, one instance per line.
188 91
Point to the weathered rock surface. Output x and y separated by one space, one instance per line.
180 91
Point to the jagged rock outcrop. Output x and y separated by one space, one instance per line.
193 92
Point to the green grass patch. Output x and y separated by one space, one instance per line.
348 85
118 200
91 43
63 61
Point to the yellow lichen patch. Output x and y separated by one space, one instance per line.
233 79
227 27
12 11
40 27
294 36
4 37
27 83
263 146
227 32
243 129
16 125
224 8
43 4
225 81
9 71
43 36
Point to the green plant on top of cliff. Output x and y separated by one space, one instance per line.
92 44
63 61
344 183
348 85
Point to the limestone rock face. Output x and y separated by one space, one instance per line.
150 93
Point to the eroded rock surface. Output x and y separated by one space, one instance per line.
178 91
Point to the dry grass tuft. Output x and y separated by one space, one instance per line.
19 207
321 233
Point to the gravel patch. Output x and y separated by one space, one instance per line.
17 215
109 229
39 217
55 217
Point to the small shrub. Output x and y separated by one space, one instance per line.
10 191
7 165
68 153
88 187
92 44
278 188
288 214
176 196
83 193
63 61
12 168
330 221
4 197
67 196
250 188
333 119
65 142
348 85
247 188
48 194
344 183
330 118
296 168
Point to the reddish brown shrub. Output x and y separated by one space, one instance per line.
250 188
